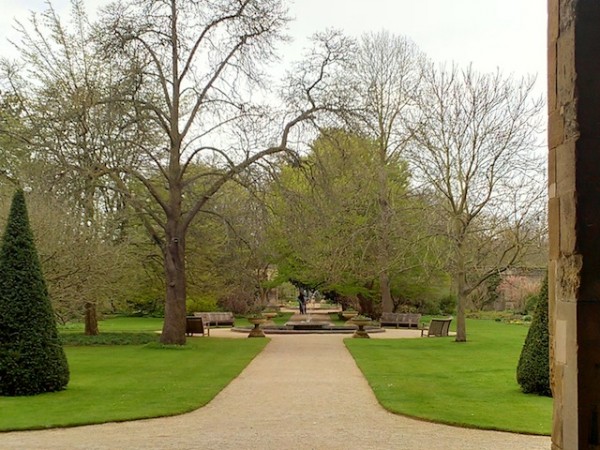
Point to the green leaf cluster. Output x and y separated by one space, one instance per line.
32 360
326 213
328 224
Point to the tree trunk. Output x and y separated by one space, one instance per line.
91 316
387 305
174 259
461 298
91 320
460 277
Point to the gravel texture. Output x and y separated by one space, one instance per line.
301 392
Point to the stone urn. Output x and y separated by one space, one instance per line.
349 315
257 322
361 322
269 315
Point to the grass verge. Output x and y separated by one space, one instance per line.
280 319
116 338
118 324
469 384
117 383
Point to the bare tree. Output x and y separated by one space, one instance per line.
199 66
60 84
475 152
79 266
14 152
388 73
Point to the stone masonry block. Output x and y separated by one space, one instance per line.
565 167
565 67
568 222
556 129
553 228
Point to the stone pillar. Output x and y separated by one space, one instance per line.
574 220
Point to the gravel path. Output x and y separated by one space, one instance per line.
301 392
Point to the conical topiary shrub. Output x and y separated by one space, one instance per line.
533 371
32 359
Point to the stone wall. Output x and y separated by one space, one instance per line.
574 220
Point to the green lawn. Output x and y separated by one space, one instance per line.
469 384
114 331
118 324
115 383
281 319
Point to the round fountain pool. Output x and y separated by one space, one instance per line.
309 328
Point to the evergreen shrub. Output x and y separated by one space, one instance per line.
533 370
32 360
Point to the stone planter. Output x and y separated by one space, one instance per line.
349 315
257 322
361 332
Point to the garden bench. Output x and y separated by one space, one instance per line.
410 320
216 319
195 325
437 327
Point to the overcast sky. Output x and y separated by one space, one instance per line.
505 34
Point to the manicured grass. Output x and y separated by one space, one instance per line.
114 331
469 384
110 338
119 324
116 383
281 319
336 320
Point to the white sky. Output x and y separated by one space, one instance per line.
505 34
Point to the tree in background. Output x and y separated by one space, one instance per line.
14 152
60 85
32 360
533 370
170 84
474 153
80 267
487 294
326 217
164 109
229 259
325 212
388 72
199 67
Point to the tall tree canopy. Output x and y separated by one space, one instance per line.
326 217
387 73
187 86
474 151
160 119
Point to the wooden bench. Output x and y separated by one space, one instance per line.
216 319
195 325
410 320
437 327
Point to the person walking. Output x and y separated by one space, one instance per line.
302 303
